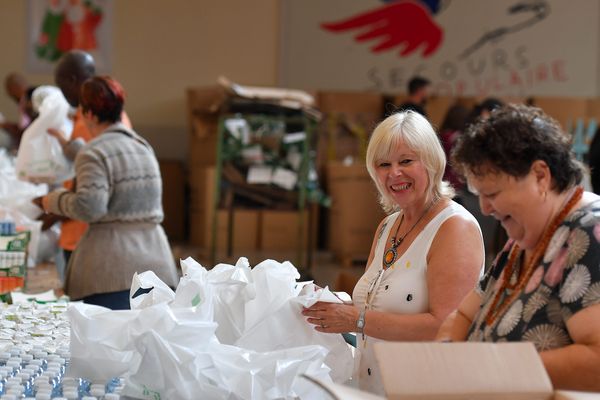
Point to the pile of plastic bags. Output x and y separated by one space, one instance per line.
231 332
16 206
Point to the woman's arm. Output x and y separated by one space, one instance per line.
456 326
89 202
340 318
448 282
70 147
577 366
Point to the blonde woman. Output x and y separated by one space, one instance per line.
425 257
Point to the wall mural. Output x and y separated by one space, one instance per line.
465 47
57 26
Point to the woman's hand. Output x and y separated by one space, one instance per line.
38 202
41 202
58 135
332 317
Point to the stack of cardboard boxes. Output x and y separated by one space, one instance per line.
236 229
348 120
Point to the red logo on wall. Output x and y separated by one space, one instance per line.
406 25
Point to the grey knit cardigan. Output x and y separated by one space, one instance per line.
119 186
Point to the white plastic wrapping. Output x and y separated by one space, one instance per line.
40 157
16 206
231 332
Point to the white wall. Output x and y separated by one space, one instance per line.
162 47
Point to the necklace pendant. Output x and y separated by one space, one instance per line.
396 242
390 257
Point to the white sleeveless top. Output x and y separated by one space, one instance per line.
401 289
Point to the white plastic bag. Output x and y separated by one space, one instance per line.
175 349
40 157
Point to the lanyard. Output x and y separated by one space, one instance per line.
372 289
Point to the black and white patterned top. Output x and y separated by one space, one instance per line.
566 281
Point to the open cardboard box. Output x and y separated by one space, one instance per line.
482 371
462 371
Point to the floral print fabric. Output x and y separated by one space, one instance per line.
566 281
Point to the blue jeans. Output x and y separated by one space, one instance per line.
112 300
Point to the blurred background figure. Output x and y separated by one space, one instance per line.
18 88
493 233
452 127
418 92
594 162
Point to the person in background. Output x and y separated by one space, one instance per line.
593 159
17 87
484 109
418 93
73 68
409 285
544 286
493 233
452 127
118 193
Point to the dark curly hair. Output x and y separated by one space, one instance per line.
511 140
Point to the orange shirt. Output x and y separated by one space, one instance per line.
72 230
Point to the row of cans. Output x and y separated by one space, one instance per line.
7 228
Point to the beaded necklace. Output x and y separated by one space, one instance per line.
389 257
497 308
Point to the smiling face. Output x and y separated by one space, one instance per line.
403 177
518 203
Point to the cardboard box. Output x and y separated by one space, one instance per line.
203 139
280 230
563 109
241 227
202 183
348 120
205 104
572 395
173 198
437 106
465 370
337 391
355 211
366 104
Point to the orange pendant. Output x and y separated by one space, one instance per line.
389 257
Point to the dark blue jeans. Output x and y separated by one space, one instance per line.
112 300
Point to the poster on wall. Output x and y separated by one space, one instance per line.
57 26
465 47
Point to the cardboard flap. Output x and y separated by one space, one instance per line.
341 392
462 370
572 395
206 100
290 98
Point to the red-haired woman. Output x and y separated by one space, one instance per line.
118 192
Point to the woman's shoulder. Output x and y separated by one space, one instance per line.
453 211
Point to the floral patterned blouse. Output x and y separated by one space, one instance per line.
566 281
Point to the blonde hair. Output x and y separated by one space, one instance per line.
416 132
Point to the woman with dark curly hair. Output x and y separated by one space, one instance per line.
544 286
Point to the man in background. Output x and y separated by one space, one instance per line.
418 92
72 70
16 86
